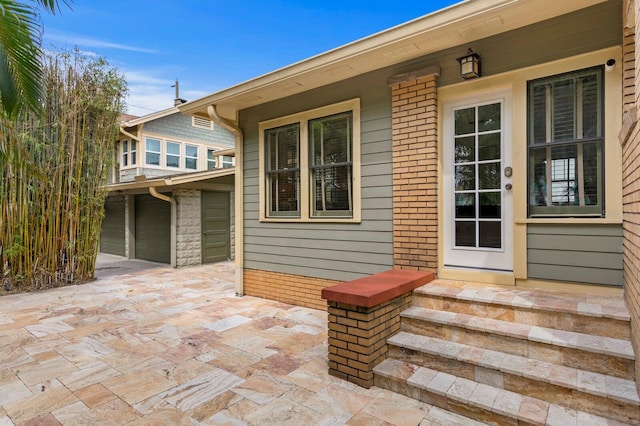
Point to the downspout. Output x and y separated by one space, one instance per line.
239 195
174 221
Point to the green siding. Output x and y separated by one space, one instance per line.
349 251
339 251
577 253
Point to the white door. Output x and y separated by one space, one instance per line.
478 216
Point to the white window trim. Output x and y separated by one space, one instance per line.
161 152
180 154
201 161
303 118
186 157
121 153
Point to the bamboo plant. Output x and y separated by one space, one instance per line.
53 169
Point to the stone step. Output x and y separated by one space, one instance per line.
598 354
478 401
582 313
575 388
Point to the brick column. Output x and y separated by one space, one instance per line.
630 139
363 314
358 337
415 169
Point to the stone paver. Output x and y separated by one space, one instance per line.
147 344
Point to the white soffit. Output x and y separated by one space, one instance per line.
461 23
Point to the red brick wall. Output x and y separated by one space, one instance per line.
415 173
631 179
287 288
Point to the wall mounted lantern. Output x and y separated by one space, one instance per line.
469 65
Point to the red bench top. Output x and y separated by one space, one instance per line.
375 289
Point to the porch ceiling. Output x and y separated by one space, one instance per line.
456 25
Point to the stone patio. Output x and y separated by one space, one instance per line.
145 344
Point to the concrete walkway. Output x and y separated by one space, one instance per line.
145 344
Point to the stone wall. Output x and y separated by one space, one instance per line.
188 250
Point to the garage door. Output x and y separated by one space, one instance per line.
216 240
153 229
112 233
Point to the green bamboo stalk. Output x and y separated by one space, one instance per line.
52 173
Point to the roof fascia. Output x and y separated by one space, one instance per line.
452 17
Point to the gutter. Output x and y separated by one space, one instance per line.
174 221
239 194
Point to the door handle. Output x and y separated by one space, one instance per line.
508 187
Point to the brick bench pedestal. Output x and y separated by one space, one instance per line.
363 314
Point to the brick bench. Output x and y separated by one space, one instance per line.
363 314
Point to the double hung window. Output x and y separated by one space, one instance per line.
331 165
283 170
173 154
191 157
566 144
129 152
211 159
308 167
152 151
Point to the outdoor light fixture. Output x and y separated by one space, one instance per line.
469 65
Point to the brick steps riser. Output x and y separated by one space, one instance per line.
600 326
570 357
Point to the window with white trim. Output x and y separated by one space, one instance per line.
172 156
211 159
310 167
566 144
125 153
152 151
133 151
227 161
191 157
128 152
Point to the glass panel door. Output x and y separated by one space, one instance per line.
478 171
477 219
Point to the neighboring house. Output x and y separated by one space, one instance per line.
171 190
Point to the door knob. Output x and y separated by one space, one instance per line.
508 187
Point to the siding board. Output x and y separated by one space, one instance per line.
575 252
606 277
338 251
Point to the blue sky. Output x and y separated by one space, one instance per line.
209 45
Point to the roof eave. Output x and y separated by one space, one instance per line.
149 117
170 180
468 20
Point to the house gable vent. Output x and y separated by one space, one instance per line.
202 123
